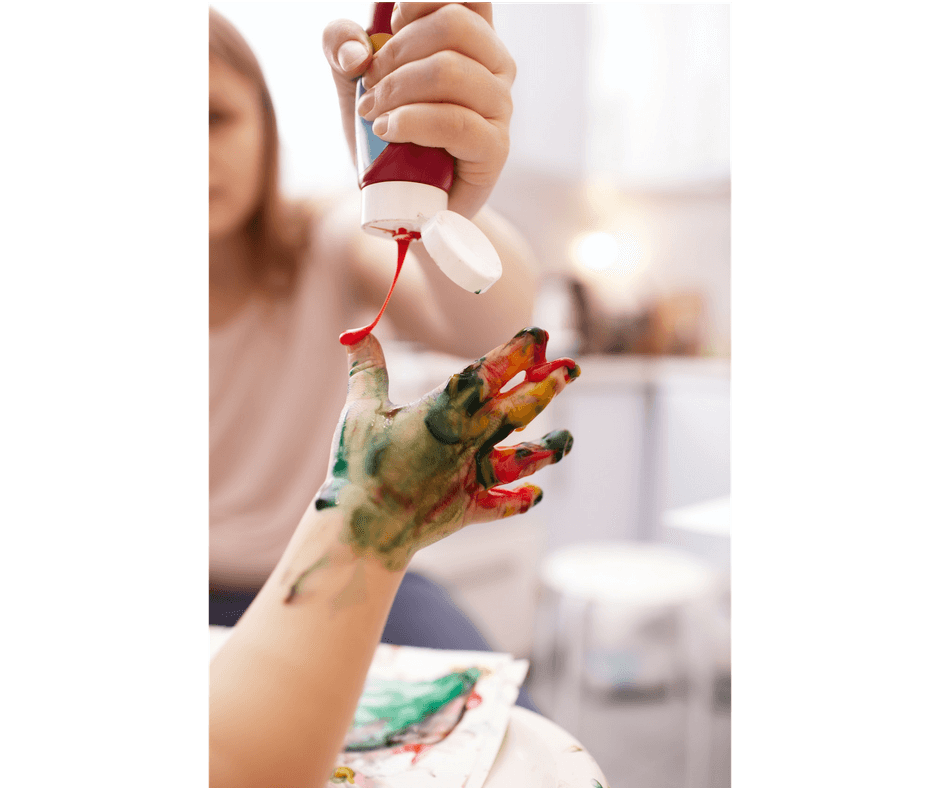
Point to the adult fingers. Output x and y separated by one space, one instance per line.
445 77
480 148
368 376
507 464
405 13
449 27
465 134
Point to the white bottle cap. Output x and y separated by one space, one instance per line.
462 251
460 248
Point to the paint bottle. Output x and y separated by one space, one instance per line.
404 187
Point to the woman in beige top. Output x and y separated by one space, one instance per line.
285 279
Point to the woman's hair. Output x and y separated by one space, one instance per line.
279 229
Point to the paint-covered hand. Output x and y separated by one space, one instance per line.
442 81
406 476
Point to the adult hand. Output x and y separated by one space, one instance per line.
443 80
407 476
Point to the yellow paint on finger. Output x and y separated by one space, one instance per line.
537 399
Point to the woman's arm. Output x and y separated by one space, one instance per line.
283 689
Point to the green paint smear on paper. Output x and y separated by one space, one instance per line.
393 705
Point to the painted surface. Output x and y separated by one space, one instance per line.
395 712
454 745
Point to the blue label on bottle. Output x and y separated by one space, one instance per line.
368 146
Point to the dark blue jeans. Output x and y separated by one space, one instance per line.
423 614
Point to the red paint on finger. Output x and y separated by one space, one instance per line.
517 501
355 335
497 370
538 373
509 464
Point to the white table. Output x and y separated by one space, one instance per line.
634 579
537 753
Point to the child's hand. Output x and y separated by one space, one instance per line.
405 477
442 81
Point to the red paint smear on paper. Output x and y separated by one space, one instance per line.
404 239
417 749
474 700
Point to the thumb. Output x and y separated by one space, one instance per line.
349 52
368 377
347 49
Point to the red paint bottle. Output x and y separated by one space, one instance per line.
405 187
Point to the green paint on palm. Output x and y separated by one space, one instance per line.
341 465
390 706
329 493
461 398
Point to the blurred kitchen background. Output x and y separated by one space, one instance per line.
620 177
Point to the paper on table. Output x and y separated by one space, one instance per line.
465 756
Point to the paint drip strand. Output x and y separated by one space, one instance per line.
404 239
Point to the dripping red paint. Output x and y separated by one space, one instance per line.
404 238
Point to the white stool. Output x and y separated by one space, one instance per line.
703 529
644 579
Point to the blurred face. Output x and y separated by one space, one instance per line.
236 150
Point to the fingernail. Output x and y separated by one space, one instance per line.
559 442
351 55
366 103
540 335
380 125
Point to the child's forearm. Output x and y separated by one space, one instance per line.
273 719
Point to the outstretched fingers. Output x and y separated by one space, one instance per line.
542 384
508 463
452 416
484 378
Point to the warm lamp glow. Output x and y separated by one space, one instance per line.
596 251
604 252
